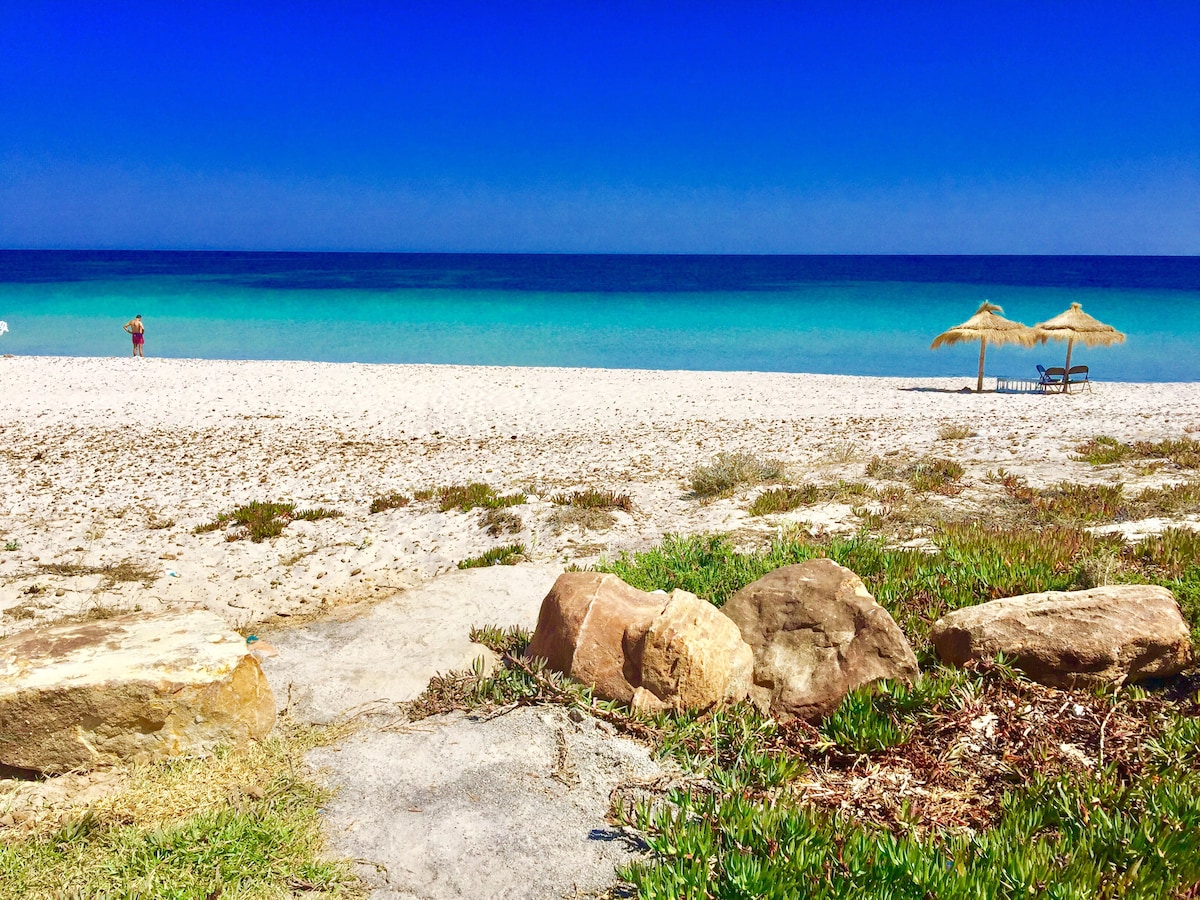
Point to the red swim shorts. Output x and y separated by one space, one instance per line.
139 339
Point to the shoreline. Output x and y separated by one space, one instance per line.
965 380
116 461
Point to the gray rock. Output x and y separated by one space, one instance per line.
388 652
512 806
816 633
1106 635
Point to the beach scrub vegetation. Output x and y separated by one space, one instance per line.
979 784
513 639
730 471
928 474
953 432
259 521
23 611
384 502
112 574
785 499
515 681
1173 551
508 555
587 510
500 521
969 563
471 496
1070 503
1104 450
240 824
594 499
583 518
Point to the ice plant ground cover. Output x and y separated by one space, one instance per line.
969 783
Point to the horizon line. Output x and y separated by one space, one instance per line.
597 253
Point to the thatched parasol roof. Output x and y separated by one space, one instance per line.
985 325
1076 325
987 328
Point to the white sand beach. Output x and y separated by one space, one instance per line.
111 461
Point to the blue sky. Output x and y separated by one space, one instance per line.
745 127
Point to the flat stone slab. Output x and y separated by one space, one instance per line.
133 688
512 806
327 670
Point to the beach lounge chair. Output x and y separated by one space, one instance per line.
1078 375
1051 378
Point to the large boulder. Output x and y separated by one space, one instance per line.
653 651
133 688
1106 635
817 634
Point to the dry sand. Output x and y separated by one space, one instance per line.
115 461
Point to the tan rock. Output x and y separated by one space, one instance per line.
654 651
1106 635
816 633
589 624
693 657
133 688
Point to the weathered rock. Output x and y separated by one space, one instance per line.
137 687
654 651
693 657
1106 635
816 633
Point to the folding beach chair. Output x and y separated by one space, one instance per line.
1078 375
1051 378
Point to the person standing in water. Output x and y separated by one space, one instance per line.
135 327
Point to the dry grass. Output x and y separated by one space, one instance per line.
500 521
730 471
154 523
594 499
952 432
123 572
583 518
842 454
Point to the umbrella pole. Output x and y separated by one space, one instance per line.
1067 367
982 351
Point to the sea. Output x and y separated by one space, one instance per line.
855 315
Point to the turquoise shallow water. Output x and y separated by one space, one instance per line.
686 313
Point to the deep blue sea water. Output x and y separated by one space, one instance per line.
862 315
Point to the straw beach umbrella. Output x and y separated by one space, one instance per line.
1076 325
987 328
